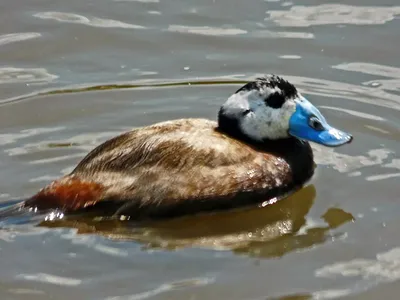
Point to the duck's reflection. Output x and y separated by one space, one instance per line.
262 232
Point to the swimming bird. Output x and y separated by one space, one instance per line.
257 151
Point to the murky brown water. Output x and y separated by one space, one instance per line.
74 73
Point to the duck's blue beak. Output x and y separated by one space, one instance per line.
309 124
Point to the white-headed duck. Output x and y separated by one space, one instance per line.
257 151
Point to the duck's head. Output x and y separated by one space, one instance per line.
271 108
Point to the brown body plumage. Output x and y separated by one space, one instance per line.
179 167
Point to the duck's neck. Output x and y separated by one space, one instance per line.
298 154
230 125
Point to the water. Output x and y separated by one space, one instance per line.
74 73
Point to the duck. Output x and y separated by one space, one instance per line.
256 152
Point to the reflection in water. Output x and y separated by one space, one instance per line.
263 232
79 19
20 75
303 16
206 30
17 37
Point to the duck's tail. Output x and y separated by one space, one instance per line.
68 194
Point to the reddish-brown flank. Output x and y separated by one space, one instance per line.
67 194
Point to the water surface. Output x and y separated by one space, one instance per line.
74 73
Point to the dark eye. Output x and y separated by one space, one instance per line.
247 111
315 123
275 100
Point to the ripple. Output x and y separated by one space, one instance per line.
79 19
282 34
206 30
364 94
312 86
288 3
110 250
54 159
176 285
344 163
290 56
382 176
392 84
20 291
49 278
330 294
304 16
137 72
93 243
355 113
9 138
384 268
45 178
377 129
142 1
7 236
369 68
18 75
17 37
83 142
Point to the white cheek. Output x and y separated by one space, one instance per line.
266 122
